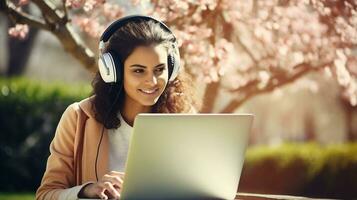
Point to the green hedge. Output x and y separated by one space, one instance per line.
308 169
17 196
30 111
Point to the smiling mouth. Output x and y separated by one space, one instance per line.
153 91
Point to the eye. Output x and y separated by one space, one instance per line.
138 70
160 69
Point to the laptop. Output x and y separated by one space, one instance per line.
186 156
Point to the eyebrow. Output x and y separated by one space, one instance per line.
142 66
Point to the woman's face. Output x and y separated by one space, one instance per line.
145 75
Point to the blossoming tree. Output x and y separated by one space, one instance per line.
242 48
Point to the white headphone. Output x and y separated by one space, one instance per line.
109 64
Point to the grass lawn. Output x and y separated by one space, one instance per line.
17 196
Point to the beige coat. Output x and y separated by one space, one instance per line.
73 151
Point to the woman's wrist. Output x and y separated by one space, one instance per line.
84 192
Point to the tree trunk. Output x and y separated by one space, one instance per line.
349 111
210 97
19 51
309 128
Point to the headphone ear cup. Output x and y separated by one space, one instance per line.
119 68
107 68
173 61
171 64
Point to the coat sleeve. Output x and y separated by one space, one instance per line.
59 177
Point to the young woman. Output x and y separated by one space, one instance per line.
137 74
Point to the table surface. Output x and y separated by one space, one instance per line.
252 196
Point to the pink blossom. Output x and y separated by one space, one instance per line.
89 5
19 31
112 11
343 76
74 3
88 25
23 2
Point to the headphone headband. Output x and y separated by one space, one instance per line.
121 22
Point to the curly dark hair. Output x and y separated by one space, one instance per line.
178 96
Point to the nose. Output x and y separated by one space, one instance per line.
151 79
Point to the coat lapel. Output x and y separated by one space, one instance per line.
92 140
92 134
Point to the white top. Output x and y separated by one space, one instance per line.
119 140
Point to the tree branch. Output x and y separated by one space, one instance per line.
65 9
17 16
246 49
212 88
251 89
56 22
49 9
52 15
73 44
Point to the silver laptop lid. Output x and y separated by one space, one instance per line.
179 156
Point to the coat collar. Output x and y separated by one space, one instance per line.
87 106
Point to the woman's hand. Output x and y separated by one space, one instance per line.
108 187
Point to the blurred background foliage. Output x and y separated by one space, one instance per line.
309 169
30 112
22 196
